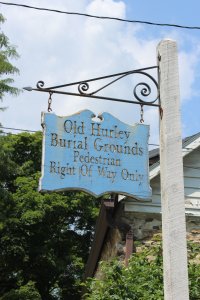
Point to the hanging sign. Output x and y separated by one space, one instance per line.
97 155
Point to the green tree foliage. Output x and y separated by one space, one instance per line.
143 278
7 53
25 292
44 238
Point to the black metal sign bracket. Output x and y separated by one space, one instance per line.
141 91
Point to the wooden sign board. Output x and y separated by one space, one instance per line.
97 155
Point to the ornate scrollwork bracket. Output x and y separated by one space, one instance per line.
142 91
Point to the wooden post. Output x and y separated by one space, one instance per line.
129 246
171 170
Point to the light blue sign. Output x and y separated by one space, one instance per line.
97 155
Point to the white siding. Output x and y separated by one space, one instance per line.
191 164
192 178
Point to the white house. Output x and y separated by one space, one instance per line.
123 215
191 164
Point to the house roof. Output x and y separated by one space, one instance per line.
190 139
185 142
189 144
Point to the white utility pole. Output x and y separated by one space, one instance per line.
171 171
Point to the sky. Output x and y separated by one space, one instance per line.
60 49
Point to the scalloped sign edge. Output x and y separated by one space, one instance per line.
95 154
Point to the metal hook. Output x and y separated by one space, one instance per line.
49 109
141 114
